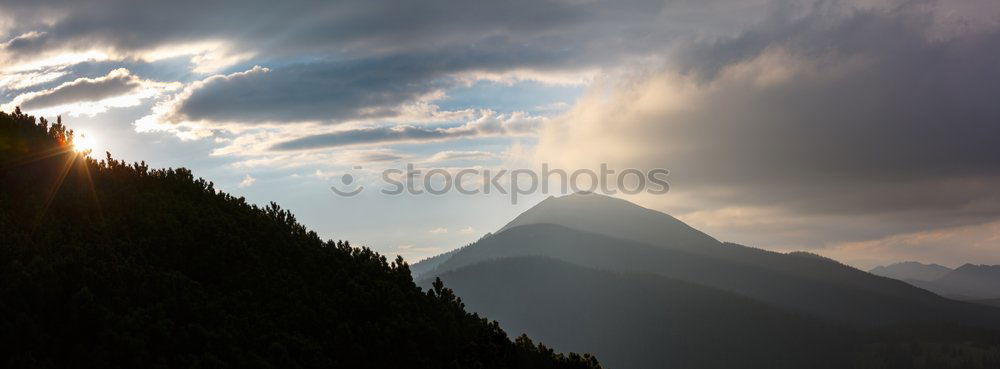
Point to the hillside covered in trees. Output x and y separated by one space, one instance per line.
109 264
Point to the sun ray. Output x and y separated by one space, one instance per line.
56 185
84 168
37 156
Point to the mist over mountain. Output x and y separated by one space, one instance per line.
978 281
531 274
912 271
969 282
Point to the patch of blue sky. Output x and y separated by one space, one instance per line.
495 145
527 96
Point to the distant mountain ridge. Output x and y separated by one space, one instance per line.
911 270
531 276
612 234
969 282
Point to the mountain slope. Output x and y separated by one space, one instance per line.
624 220
990 302
600 283
911 271
802 283
108 265
982 281
643 320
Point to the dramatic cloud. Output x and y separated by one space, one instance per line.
489 124
355 27
827 120
116 83
346 60
384 87
117 88
312 92
860 125
21 80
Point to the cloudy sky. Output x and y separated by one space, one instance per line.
864 130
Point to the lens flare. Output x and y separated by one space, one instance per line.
84 142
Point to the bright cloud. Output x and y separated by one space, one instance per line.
247 181
119 88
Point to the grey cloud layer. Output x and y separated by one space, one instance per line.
116 83
489 124
335 91
334 61
869 112
321 91
354 27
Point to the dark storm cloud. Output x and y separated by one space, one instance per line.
335 91
322 91
296 26
882 101
116 83
869 112
334 61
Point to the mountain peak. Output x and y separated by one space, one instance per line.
587 198
598 213
912 271
978 268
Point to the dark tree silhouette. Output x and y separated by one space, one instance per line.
105 264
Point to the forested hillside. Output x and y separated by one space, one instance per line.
108 264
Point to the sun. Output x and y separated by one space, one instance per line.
84 142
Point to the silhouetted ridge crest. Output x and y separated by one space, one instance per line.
106 264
